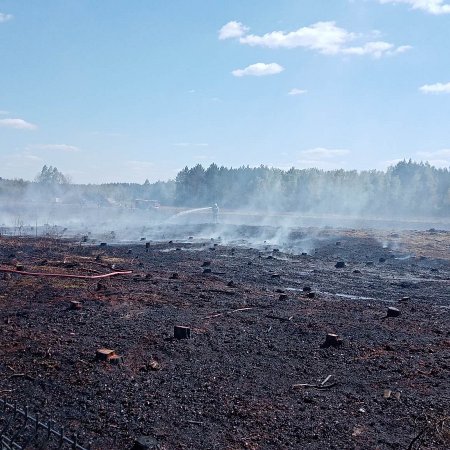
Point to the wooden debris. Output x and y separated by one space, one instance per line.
227 312
314 386
282 319
154 365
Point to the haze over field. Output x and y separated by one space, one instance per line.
139 90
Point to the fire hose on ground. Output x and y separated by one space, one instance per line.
65 275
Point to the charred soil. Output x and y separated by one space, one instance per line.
254 373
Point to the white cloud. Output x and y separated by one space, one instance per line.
431 6
55 147
324 37
437 158
321 153
376 49
259 70
296 91
232 29
18 124
190 144
5 17
437 88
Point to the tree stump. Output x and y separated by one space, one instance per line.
332 340
74 305
181 332
393 312
104 354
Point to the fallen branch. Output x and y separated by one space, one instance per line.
282 319
320 387
227 312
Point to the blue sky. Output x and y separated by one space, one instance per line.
124 91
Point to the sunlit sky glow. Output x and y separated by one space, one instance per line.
124 91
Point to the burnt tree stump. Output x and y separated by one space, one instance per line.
332 340
181 332
393 312
74 305
104 354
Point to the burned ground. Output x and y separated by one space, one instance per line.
251 375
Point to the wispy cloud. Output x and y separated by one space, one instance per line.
437 88
20 160
323 153
326 38
190 144
232 29
4 113
18 124
296 91
430 6
259 70
55 147
5 17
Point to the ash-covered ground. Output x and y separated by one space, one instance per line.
255 373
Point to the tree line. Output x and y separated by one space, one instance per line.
408 189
